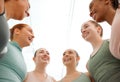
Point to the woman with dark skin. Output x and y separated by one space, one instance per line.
108 10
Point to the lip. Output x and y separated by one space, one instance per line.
94 16
30 39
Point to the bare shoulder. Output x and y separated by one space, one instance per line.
28 77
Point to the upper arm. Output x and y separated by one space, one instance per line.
115 35
4 33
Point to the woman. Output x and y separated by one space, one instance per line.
108 10
70 60
12 65
18 10
102 65
41 59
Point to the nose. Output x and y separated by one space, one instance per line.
66 55
83 31
45 54
91 14
33 36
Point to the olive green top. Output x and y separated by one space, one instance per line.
103 67
81 78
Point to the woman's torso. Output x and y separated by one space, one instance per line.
12 66
82 78
103 66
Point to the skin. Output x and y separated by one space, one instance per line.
70 60
16 9
1 6
92 34
41 59
109 12
101 10
23 36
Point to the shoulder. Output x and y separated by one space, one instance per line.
28 77
51 78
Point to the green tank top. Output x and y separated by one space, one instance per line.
103 67
12 65
82 78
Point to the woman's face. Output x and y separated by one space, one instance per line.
89 30
70 57
42 56
19 9
24 36
98 10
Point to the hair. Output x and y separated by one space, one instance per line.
114 3
37 51
77 55
97 25
17 26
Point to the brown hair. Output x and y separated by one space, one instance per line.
97 25
114 3
17 26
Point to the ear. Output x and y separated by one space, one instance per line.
99 30
107 2
17 31
78 58
33 58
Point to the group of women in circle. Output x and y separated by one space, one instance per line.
103 64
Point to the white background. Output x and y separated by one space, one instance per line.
56 25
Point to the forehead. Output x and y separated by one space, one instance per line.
42 49
69 50
92 3
84 24
27 28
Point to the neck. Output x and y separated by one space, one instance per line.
110 15
96 43
40 69
71 70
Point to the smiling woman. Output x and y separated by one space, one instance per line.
18 10
56 25
70 60
41 59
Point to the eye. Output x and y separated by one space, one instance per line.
48 53
63 53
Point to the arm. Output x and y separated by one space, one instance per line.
88 74
115 35
4 30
